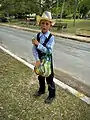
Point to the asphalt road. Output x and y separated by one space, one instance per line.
72 57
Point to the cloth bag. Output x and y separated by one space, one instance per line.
45 67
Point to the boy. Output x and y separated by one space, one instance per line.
39 49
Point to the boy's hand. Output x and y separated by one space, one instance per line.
37 63
35 42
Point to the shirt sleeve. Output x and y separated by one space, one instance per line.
34 50
35 53
49 46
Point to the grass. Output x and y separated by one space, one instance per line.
17 86
22 23
81 26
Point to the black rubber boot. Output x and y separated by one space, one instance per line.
51 96
49 99
38 93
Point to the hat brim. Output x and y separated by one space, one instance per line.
38 19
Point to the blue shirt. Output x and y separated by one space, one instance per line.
43 49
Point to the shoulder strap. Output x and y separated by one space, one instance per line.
38 38
47 39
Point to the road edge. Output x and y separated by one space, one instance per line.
67 36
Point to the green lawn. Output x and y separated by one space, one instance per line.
17 86
82 26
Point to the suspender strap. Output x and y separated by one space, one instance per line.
38 38
47 39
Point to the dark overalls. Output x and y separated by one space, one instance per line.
49 80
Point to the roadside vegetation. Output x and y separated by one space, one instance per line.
81 26
17 86
72 16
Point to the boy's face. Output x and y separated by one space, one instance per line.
45 25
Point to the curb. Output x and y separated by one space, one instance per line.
72 37
61 84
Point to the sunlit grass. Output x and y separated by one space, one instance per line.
17 86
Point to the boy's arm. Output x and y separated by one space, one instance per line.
34 49
35 53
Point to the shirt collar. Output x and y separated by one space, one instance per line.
46 34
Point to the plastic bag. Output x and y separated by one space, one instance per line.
45 68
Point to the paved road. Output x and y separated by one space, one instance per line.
72 57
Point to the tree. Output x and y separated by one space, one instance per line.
83 7
22 7
18 7
48 4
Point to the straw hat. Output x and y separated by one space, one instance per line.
45 16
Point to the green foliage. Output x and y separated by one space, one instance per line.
88 14
15 7
22 7
70 16
83 7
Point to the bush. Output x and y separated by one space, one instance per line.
60 25
3 19
70 16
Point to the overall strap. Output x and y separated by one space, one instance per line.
38 38
47 39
